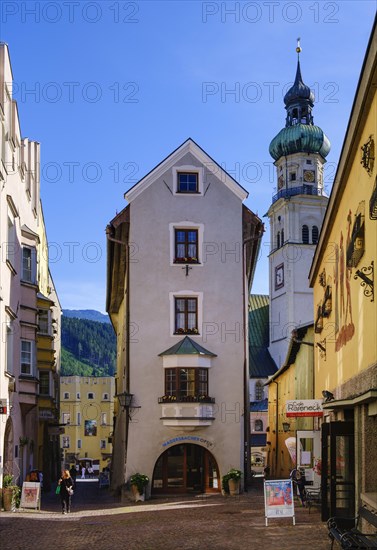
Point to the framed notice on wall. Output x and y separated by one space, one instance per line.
278 499
31 495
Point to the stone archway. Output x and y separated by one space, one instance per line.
186 468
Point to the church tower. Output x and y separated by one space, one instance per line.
295 215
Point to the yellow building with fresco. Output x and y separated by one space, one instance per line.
343 277
293 381
87 410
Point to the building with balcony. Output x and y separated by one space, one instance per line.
29 307
181 259
86 413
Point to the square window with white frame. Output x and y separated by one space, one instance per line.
187 182
27 357
65 441
186 315
186 246
28 272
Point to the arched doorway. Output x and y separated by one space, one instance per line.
186 468
8 448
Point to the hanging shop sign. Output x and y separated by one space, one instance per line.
304 407
46 414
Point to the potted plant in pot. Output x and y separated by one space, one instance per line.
11 494
231 482
138 483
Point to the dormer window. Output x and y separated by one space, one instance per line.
187 182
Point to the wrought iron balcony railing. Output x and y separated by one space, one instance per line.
292 191
166 399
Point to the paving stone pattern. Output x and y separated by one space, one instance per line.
98 521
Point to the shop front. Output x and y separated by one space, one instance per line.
186 468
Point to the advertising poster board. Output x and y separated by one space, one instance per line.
31 495
278 499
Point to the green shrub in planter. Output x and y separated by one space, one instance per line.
140 480
232 474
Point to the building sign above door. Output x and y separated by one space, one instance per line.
304 407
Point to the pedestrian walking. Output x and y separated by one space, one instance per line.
66 491
83 470
73 473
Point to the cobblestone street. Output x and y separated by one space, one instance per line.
99 521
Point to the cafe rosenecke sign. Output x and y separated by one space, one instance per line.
304 407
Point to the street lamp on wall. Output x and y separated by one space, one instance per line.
125 401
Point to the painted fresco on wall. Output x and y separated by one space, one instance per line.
348 254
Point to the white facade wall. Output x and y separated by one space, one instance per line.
218 282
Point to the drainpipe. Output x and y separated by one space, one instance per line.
277 427
246 450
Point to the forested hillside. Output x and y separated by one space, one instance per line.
88 348
90 314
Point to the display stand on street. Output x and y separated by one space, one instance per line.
278 499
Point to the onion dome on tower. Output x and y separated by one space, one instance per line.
300 135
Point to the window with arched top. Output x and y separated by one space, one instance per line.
258 425
315 234
258 391
305 234
278 240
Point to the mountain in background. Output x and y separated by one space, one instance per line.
88 347
90 314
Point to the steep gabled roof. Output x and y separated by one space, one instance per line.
261 363
187 346
188 146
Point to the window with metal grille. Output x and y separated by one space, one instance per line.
259 391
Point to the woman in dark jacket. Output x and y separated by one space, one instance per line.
66 486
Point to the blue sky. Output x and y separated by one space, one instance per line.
110 88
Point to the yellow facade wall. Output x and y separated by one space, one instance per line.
349 332
87 409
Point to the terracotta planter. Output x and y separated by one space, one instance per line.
136 495
234 487
8 500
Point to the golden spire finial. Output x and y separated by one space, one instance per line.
298 48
